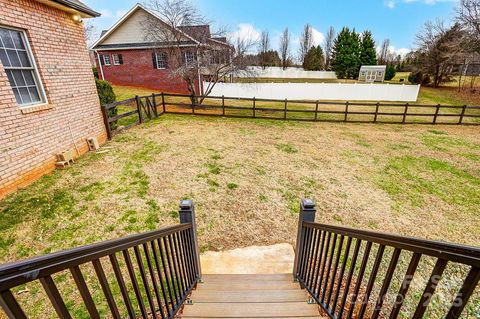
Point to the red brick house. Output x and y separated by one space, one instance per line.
49 103
125 55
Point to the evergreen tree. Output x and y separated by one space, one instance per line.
313 60
346 54
368 53
390 72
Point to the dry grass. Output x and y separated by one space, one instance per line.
247 178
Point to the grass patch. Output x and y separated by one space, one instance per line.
287 148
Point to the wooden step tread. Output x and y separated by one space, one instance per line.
256 277
250 310
236 296
230 285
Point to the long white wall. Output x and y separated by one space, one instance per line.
319 91
289 73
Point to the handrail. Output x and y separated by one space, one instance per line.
332 264
166 259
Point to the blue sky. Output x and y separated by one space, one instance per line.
398 20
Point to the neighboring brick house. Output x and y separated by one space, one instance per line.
48 99
128 57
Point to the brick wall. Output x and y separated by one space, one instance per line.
30 138
137 70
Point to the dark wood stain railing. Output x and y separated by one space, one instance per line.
329 257
146 108
167 260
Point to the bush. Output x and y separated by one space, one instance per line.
106 95
105 92
418 77
390 72
95 72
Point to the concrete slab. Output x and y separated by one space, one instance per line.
275 259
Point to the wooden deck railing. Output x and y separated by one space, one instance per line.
143 108
332 263
166 268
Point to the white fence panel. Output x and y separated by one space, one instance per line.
289 73
319 91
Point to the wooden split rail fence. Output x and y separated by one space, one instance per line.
143 108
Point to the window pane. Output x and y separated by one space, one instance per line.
34 94
28 75
17 39
24 59
10 78
17 96
6 38
14 60
3 58
25 95
17 74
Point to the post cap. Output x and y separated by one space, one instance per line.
186 204
308 203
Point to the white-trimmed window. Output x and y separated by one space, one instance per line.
189 57
106 59
161 60
18 62
117 59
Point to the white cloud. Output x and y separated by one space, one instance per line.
392 3
402 51
318 37
246 32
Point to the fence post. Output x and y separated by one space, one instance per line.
405 114
139 109
223 105
460 120
316 111
376 112
106 122
346 111
163 102
436 114
253 107
307 214
285 110
187 215
154 105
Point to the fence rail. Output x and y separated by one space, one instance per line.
165 270
144 108
332 264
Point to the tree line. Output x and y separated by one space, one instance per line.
343 53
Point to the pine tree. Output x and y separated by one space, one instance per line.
368 53
346 54
314 59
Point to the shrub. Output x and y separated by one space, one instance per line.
390 72
106 95
95 72
419 78
105 92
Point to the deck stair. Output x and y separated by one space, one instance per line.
249 296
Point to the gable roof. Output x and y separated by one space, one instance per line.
72 5
122 20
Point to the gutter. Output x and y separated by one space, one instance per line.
77 7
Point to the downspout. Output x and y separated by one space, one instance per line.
100 64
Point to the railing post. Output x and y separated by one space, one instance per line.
187 215
316 110
404 119
139 109
163 102
285 110
154 105
253 107
346 111
307 214
376 112
106 122
460 120
436 114
223 105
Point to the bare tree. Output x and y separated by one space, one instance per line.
384 52
329 38
285 48
189 49
89 32
306 42
264 47
438 47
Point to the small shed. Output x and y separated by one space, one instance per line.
372 73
